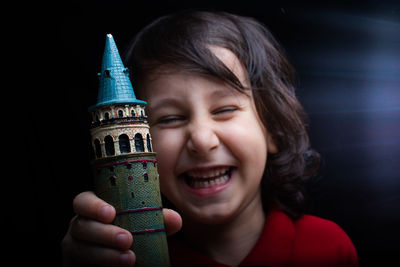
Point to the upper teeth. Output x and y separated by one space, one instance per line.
208 173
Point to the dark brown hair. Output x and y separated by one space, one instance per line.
182 40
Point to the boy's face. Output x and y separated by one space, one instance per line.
211 145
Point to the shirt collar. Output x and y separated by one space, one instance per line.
274 247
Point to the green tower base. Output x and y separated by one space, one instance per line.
130 183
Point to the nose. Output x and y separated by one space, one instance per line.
202 138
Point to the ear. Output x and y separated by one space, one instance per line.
272 148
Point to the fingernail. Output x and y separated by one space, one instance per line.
106 211
122 240
126 259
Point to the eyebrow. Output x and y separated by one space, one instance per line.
223 93
168 101
227 92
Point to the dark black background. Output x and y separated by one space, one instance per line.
347 58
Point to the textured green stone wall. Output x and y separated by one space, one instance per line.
130 183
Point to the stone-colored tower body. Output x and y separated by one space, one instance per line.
125 167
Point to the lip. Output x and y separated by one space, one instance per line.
211 190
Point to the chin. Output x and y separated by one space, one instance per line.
214 214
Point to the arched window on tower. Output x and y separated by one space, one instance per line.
106 116
97 148
139 146
133 113
124 145
112 180
109 145
107 74
148 142
120 114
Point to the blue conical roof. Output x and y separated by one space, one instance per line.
115 85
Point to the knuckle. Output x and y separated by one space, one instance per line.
72 221
76 201
66 245
76 226
81 198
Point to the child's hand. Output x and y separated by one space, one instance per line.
91 239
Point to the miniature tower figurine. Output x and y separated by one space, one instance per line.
125 168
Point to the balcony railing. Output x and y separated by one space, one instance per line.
140 119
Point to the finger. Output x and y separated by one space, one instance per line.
76 251
172 221
87 204
98 233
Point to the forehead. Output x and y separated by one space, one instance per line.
170 87
232 62
169 71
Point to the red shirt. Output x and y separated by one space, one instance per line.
308 241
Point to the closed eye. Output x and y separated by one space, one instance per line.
228 109
170 120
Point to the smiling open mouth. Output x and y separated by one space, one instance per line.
198 179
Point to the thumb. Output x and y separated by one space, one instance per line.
172 221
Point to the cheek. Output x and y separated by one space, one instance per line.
247 138
248 144
166 144
257 158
